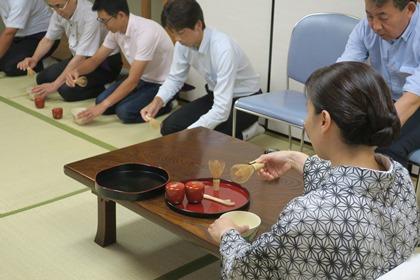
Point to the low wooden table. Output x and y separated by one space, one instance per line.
185 155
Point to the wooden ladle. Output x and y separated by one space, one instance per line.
240 173
226 202
216 169
81 81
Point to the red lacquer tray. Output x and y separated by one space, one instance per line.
211 209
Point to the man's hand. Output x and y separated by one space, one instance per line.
27 62
45 89
151 110
71 78
92 112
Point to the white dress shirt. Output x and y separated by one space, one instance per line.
85 34
28 16
144 40
224 66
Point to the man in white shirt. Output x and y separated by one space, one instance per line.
85 35
223 64
147 48
25 24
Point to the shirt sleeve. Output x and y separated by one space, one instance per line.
355 48
55 29
110 41
19 14
226 67
178 74
90 39
412 82
271 251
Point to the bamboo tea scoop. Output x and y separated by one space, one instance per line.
240 173
81 81
216 169
226 202
30 71
153 122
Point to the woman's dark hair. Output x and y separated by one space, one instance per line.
358 100
111 7
180 14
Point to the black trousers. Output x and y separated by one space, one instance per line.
189 113
21 48
106 73
408 141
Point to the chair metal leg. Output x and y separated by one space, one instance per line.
290 137
234 122
302 139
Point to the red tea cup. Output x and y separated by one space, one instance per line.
175 192
39 102
194 191
57 113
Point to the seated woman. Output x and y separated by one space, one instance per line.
357 218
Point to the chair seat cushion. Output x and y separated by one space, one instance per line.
288 106
414 157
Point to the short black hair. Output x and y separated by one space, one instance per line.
358 101
180 14
400 4
112 7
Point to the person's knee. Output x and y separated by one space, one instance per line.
67 94
127 116
168 127
11 70
41 78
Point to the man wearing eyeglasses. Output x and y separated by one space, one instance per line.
147 48
85 35
25 24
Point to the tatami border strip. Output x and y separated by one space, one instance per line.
58 124
189 268
2 215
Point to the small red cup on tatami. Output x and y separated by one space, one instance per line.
175 192
39 102
57 113
194 191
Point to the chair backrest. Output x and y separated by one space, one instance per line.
317 40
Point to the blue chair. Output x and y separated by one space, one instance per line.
317 40
414 159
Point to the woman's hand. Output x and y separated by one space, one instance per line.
278 163
223 225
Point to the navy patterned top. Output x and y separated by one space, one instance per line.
350 223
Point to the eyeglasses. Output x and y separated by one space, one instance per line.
58 6
103 21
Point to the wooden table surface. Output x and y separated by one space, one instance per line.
185 155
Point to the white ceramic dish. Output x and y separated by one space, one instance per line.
245 218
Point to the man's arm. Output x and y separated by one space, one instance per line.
6 40
90 64
407 105
355 48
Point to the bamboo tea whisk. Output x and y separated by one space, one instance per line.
153 122
216 169
81 81
240 173
30 71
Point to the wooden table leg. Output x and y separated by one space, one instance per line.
106 232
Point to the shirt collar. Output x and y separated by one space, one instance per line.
205 43
411 25
130 25
74 17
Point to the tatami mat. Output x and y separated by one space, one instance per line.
55 241
105 128
33 154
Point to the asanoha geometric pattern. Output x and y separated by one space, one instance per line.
350 223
